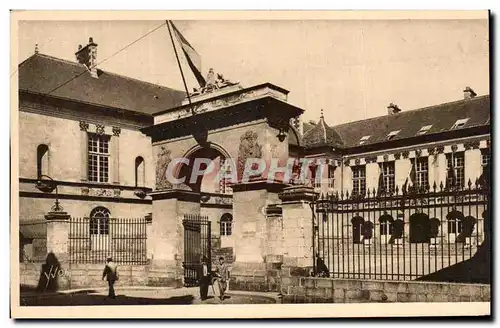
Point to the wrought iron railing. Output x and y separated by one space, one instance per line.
399 236
93 240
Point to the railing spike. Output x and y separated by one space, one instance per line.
469 183
441 186
434 186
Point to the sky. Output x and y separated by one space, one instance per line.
352 69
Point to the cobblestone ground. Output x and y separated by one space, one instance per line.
149 296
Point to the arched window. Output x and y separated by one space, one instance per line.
139 172
454 220
99 221
226 223
386 226
42 160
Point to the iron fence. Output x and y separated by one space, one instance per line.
93 240
400 236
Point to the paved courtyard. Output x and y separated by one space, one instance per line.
144 296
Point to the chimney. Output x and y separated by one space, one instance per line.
469 93
393 109
87 56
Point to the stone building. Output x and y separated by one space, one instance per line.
107 141
80 126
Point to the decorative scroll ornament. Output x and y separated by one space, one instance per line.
357 161
84 126
431 151
116 131
162 161
454 148
371 159
405 154
386 158
346 162
418 153
249 148
440 149
99 129
472 144
117 192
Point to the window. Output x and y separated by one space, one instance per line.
424 129
139 172
226 223
358 180
459 123
455 170
364 139
454 225
99 221
388 177
42 161
421 172
98 155
225 177
392 134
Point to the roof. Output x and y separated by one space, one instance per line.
43 74
441 118
321 135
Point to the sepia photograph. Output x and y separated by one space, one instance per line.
241 162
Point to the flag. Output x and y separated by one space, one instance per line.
192 57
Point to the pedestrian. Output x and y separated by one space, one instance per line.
204 278
111 274
222 271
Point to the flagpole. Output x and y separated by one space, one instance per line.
179 63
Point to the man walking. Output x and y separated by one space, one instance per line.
222 271
204 279
111 274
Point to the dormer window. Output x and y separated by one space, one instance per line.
424 129
363 139
459 124
392 134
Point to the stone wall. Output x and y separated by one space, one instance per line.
296 288
73 276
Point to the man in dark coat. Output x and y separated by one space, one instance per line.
204 279
110 273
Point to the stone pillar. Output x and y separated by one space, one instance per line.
149 236
115 155
58 235
84 126
167 235
56 263
347 180
250 201
297 226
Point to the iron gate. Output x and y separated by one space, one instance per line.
197 244
401 236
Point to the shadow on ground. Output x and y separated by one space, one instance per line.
86 298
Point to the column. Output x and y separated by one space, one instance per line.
115 155
149 236
347 179
440 169
57 258
84 126
431 174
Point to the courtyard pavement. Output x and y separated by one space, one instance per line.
143 296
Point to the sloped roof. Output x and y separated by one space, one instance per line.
442 117
43 74
321 135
